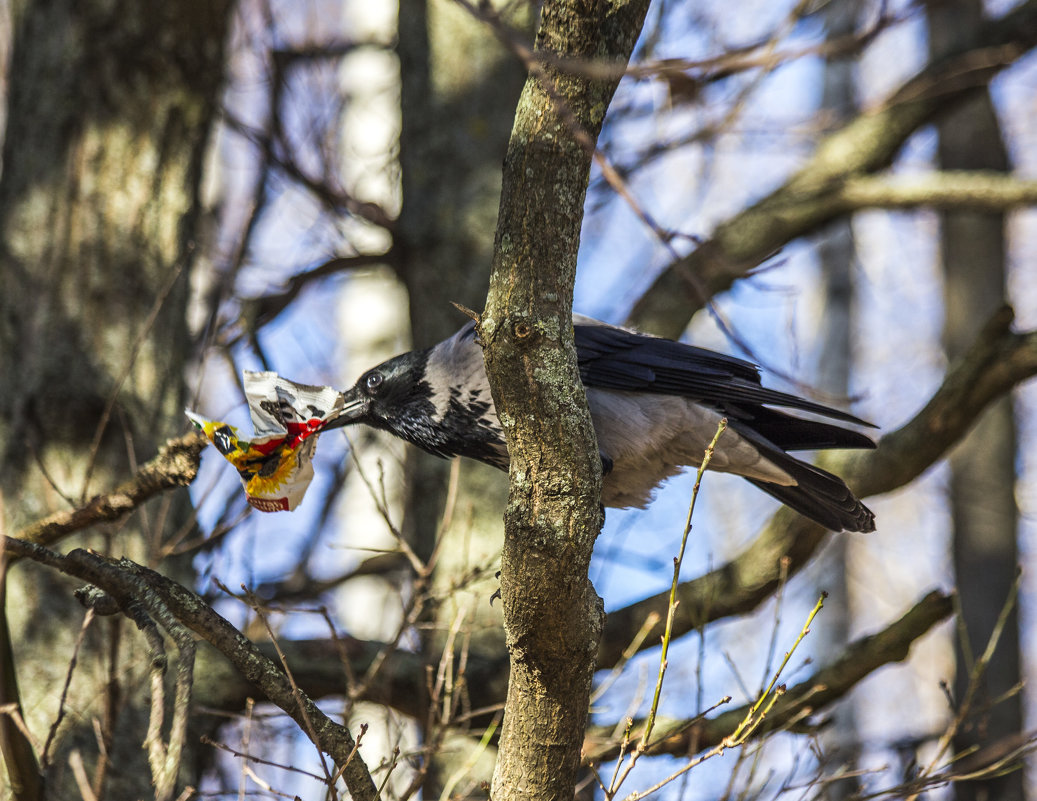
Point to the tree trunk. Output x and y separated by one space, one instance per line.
837 254
109 109
552 615
982 491
459 90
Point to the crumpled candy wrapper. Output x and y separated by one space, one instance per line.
275 465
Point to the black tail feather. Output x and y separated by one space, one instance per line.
822 497
817 494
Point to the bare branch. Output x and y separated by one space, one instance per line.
259 311
62 708
998 360
176 465
982 191
400 682
326 51
300 585
333 198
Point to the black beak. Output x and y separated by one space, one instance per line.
353 410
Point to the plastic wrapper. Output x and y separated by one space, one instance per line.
276 464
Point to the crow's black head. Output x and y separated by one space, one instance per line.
430 399
394 396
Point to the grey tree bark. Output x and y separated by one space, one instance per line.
109 109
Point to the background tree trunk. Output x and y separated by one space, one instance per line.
459 89
837 254
982 485
109 109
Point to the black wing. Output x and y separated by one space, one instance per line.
613 358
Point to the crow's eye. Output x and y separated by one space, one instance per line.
373 382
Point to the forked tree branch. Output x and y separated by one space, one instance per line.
170 604
804 202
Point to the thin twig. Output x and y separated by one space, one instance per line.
75 761
678 561
975 678
246 756
750 722
87 620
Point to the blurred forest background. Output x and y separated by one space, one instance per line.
839 191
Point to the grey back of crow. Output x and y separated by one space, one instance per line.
655 404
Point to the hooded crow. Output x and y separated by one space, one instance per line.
655 404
